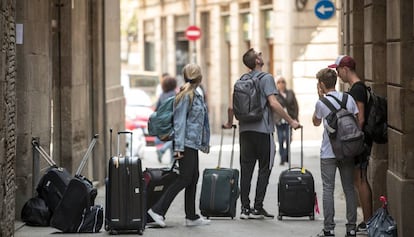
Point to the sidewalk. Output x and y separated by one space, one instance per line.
225 226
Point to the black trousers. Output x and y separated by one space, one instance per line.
254 147
188 178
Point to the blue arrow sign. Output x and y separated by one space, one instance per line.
324 9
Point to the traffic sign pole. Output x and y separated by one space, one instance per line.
193 49
193 33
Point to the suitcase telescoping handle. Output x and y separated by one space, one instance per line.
87 155
301 147
232 146
130 141
43 153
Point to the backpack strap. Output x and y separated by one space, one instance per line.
343 102
328 104
260 75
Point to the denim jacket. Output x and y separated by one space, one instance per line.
191 124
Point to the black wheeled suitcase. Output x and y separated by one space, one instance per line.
125 194
157 180
75 205
54 182
220 188
296 190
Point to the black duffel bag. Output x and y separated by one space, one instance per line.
35 212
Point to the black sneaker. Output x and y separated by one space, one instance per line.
326 233
260 214
362 228
245 213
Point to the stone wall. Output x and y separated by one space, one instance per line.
8 119
379 34
68 86
400 91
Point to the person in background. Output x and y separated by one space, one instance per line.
256 140
288 101
191 134
168 86
158 90
326 86
345 66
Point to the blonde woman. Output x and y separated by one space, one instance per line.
190 120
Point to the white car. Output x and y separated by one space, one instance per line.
138 109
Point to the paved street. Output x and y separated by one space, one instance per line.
236 227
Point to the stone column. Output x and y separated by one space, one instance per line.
400 90
33 90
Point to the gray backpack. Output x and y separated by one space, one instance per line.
347 139
247 105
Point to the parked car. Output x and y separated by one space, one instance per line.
138 108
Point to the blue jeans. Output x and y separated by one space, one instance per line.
162 147
282 136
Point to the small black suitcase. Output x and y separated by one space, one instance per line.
54 182
220 188
125 193
157 180
93 192
68 214
296 190
79 196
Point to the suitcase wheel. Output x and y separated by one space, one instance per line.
279 218
113 232
312 217
140 232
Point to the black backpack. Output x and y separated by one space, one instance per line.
247 106
345 136
376 122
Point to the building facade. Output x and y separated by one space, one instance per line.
60 83
294 43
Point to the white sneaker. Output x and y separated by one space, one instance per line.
157 218
196 222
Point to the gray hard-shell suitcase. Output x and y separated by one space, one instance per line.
125 193
296 189
220 188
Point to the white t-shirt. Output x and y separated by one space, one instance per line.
322 111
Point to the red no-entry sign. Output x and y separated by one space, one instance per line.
193 33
